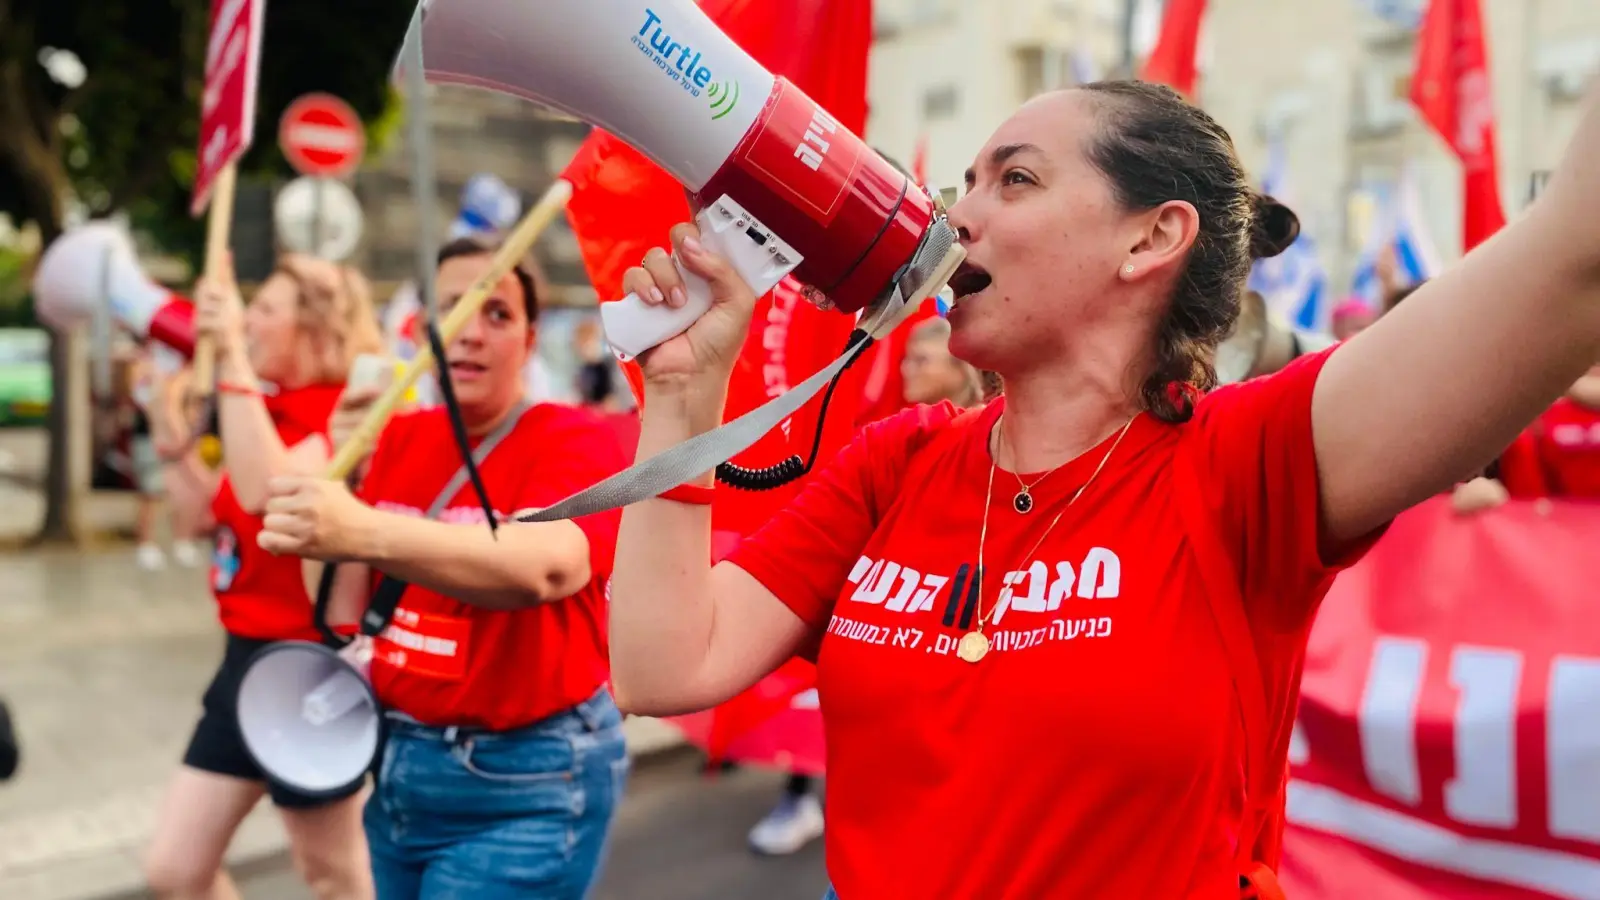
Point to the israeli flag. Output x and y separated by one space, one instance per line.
1401 225
1293 283
489 207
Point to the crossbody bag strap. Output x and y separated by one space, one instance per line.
386 597
1226 601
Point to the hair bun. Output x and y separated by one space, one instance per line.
1274 228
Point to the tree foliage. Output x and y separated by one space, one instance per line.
125 139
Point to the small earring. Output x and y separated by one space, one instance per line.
1127 269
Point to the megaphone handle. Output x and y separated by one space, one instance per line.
758 255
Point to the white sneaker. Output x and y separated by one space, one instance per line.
794 823
150 557
188 554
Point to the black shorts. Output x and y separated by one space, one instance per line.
217 746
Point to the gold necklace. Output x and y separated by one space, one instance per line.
974 645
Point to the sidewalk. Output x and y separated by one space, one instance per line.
103 665
23 454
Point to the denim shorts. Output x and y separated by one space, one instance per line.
491 815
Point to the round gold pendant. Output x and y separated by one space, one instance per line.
973 646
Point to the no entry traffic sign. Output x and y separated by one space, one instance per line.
321 136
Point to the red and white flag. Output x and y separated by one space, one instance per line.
228 101
1451 90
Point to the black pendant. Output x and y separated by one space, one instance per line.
1022 502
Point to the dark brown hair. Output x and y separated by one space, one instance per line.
1154 147
473 246
1394 298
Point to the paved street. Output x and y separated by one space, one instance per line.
679 837
103 665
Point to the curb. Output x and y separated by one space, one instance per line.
650 741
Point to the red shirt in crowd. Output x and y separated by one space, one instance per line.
1558 456
1097 751
261 596
444 662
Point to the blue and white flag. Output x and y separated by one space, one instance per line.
1293 283
1401 225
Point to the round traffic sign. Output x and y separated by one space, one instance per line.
318 217
321 135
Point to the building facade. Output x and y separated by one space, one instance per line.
1325 80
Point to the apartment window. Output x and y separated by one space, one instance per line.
940 102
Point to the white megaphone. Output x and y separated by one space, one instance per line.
1262 343
782 186
308 715
93 267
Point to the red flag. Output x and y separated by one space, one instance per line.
623 204
1172 62
1451 90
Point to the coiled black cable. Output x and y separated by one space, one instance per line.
787 470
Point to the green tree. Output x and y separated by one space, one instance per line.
124 138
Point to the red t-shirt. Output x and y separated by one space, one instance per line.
1097 750
444 662
1558 456
259 595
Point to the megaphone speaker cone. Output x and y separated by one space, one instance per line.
309 718
94 266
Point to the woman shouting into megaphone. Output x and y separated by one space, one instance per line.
1058 637
503 759
281 362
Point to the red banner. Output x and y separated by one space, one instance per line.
1448 743
228 106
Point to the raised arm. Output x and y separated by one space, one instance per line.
250 442
1436 388
686 635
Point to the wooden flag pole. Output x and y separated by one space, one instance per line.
219 225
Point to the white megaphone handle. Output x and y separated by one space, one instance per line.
339 693
759 256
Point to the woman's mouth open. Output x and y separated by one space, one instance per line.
969 280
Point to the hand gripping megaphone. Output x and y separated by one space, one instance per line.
94 266
782 187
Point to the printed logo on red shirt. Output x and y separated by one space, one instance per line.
432 645
1049 599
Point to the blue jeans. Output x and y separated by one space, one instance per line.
481 815
830 895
